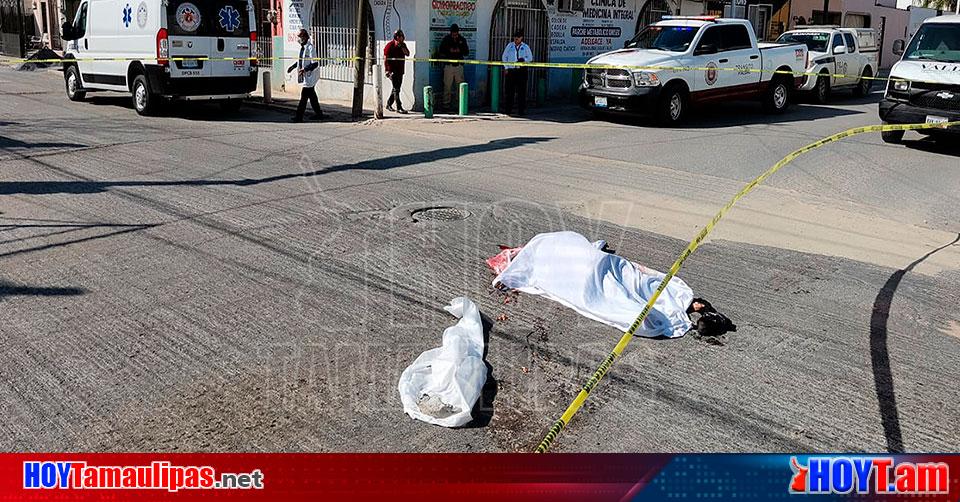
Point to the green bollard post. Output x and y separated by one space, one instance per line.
541 91
495 89
464 97
428 102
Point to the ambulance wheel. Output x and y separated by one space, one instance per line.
672 108
144 102
71 78
891 136
777 97
821 92
864 85
231 105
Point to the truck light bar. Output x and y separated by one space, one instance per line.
690 18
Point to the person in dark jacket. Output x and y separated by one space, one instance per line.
307 76
393 54
453 46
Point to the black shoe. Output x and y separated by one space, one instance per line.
317 116
390 108
296 119
401 110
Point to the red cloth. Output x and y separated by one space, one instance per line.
501 260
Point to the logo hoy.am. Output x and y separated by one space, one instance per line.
826 475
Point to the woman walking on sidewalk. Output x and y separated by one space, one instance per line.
394 54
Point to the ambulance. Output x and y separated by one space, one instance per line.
159 50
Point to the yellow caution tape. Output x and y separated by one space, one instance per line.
604 367
529 64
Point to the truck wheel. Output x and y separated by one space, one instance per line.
71 79
893 137
672 108
144 101
864 85
821 93
777 96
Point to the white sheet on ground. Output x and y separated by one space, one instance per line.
567 268
442 384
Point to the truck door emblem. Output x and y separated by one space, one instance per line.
711 74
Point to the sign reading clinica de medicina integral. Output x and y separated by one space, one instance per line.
581 29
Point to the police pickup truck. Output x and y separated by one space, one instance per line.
840 58
682 61
924 86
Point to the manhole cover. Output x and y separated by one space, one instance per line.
439 214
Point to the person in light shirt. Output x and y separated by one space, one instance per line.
516 76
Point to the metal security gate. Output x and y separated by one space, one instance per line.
13 34
333 31
652 12
531 17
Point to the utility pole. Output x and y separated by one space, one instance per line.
826 10
360 63
23 29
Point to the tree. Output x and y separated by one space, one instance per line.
944 5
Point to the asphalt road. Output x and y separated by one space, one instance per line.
239 283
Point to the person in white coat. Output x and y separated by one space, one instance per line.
516 78
307 76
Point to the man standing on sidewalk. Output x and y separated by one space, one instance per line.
307 76
453 46
516 81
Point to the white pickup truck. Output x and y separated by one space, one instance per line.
681 61
840 58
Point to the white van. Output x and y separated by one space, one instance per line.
136 46
924 86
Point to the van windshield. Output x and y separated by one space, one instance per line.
935 42
815 42
664 38
208 18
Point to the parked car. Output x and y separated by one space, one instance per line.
682 61
840 58
924 86
135 46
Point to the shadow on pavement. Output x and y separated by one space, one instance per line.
714 115
124 229
483 409
251 112
880 355
382 164
7 143
931 144
10 289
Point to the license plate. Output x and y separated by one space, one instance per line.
600 101
189 63
934 119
